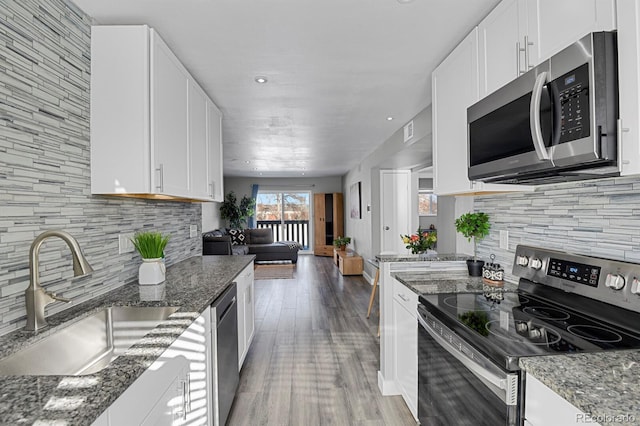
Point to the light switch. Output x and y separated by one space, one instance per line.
504 240
193 231
124 243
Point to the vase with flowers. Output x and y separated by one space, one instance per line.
420 242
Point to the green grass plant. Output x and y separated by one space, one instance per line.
149 244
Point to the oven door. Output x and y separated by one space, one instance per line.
459 386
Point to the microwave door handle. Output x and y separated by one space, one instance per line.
534 117
501 383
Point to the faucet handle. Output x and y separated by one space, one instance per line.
58 298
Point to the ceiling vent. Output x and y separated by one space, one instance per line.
408 131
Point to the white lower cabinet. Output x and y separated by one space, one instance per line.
246 312
175 389
544 407
405 305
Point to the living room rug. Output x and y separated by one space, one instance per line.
278 271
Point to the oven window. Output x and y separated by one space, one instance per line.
449 394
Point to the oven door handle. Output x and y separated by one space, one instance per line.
507 384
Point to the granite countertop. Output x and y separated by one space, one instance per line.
437 282
439 257
603 384
190 285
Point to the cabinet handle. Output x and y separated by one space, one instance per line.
403 297
527 63
249 295
160 170
518 50
184 400
211 189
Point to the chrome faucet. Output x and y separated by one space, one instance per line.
37 297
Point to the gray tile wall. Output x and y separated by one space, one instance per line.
44 165
599 218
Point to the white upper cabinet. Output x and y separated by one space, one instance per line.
519 34
629 84
169 120
149 119
214 152
199 160
455 88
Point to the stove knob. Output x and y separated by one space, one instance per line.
535 263
522 260
522 327
614 281
535 333
635 286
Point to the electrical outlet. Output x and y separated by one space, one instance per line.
124 243
504 240
193 231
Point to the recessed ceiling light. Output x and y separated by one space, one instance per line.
247 161
389 118
261 79
404 1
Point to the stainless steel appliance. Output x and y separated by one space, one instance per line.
224 327
557 122
469 344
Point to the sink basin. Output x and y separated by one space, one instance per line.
88 345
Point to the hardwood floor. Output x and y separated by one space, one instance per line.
315 356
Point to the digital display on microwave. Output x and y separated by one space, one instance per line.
569 80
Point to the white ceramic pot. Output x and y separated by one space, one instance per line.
152 271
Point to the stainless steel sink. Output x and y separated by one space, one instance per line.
88 345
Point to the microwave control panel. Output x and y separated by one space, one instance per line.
573 95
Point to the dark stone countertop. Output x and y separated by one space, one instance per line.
439 257
192 285
438 282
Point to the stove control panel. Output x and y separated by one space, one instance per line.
573 271
611 281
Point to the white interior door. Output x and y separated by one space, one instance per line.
395 215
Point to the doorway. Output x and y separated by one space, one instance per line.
395 210
286 213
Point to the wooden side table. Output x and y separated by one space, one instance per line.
349 263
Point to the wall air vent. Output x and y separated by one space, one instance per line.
408 131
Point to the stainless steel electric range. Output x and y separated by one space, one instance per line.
470 344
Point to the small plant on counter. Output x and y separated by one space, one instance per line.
341 242
473 225
150 244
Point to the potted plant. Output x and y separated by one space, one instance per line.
420 242
151 246
474 225
237 214
341 242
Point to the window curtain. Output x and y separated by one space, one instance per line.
254 196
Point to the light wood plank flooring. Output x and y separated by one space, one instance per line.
315 356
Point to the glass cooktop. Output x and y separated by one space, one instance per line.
506 326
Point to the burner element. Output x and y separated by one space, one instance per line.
546 313
594 333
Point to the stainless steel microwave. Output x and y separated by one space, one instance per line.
555 123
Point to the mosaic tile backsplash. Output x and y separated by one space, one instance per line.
597 218
45 67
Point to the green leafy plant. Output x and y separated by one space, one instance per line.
237 214
473 225
150 244
341 242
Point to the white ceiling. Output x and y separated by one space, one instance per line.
336 69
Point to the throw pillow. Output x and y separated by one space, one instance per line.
237 237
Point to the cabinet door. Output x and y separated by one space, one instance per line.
169 121
500 38
246 313
545 407
214 153
406 354
249 310
338 218
553 25
145 397
199 163
172 405
629 83
318 223
241 285
455 88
